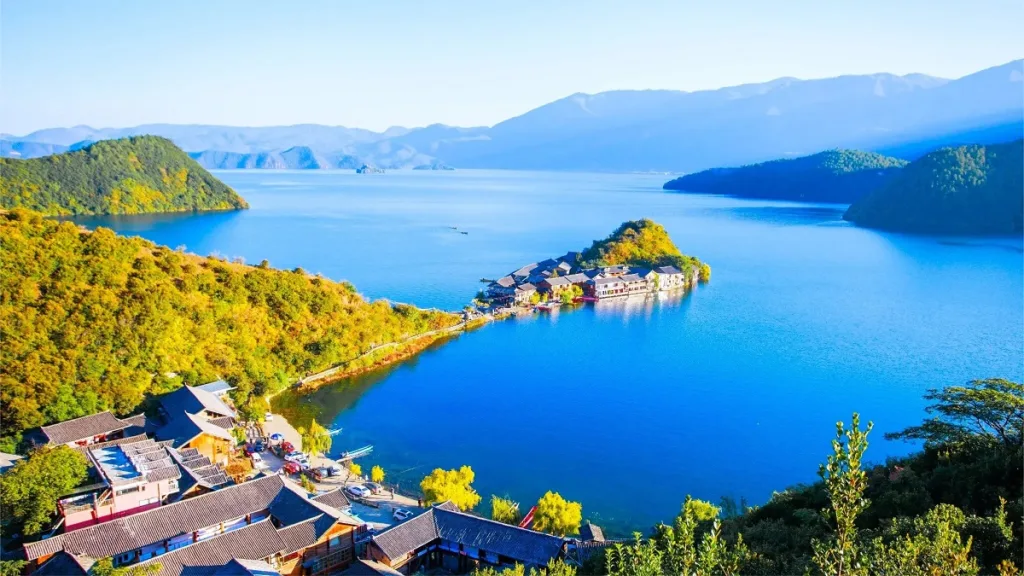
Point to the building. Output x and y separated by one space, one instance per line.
524 293
444 537
269 519
218 388
196 418
605 287
578 279
502 289
670 278
7 461
129 478
634 284
522 274
86 430
554 287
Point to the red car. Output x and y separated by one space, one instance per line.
292 467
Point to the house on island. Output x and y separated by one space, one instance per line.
604 287
523 293
555 286
634 284
670 278
268 520
444 537
503 289
196 418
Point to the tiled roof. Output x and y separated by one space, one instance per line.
64 564
526 288
193 401
138 530
8 461
254 542
525 270
449 524
198 470
631 278
603 281
225 422
84 450
335 499
505 282
577 278
305 534
239 567
184 427
667 270
558 281
370 568
591 532
82 428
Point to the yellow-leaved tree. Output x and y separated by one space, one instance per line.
377 474
454 485
556 515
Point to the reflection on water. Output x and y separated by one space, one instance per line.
787 215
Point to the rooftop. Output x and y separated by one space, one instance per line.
667 270
193 400
82 428
143 461
217 387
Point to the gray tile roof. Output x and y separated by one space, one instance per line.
505 282
445 522
257 541
306 533
217 387
239 567
82 428
603 281
64 564
197 470
578 278
193 401
525 270
335 499
631 278
184 427
526 288
667 270
138 530
591 532
558 281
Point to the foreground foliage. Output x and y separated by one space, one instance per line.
642 243
29 491
95 321
954 508
555 567
127 176
961 190
841 176
556 515
505 511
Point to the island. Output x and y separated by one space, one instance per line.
962 190
367 169
638 258
137 175
833 176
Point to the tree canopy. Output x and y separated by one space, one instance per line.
505 510
960 190
639 243
982 409
316 440
126 176
557 516
92 321
454 485
832 176
29 491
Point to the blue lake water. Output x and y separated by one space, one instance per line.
731 390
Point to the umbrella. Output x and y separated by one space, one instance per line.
277 437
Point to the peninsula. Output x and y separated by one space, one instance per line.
137 175
638 258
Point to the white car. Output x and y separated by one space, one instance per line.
268 417
299 457
401 514
257 460
358 490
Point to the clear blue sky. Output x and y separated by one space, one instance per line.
377 64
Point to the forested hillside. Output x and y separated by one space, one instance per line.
92 321
961 190
841 176
641 243
128 176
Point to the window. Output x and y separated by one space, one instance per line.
334 541
172 485
126 557
128 490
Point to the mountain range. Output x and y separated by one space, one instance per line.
629 130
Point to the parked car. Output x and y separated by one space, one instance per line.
259 446
374 487
296 457
358 490
257 460
320 473
401 514
335 470
292 467
268 417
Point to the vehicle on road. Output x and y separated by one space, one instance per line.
292 467
401 514
297 457
268 417
358 490
257 460
374 487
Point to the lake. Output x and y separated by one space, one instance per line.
627 407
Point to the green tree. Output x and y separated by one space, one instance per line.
991 408
308 485
105 567
238 433
29 491
454 485
642 558
923 546
316 440
556 515
505 511
377 474
12 567
845 482
680 553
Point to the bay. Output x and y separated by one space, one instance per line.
731 390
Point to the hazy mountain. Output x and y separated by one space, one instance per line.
10 149
637 130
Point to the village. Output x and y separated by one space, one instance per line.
562 280
193 490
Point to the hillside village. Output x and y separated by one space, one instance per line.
159 500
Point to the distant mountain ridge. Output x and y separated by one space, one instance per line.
630 130
837 176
